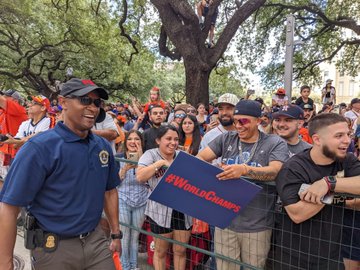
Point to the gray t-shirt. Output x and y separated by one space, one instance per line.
258 215
158 212
297 148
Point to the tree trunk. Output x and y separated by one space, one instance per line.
197 84
180 25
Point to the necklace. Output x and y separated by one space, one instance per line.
252 152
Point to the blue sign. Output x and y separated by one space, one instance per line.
191 187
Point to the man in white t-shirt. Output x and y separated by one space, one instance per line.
37 122
226 106
106 128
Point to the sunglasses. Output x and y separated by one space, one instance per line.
180 115
241 121
191 111
86 100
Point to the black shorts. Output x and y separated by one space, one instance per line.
214 16
177 223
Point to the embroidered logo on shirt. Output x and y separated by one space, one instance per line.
104 157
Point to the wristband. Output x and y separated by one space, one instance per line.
331 182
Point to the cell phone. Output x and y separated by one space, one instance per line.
303 188
134 156
213 118
250 92
327 199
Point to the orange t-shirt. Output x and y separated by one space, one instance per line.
10 120
187 144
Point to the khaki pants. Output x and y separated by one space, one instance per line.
249 248
91 253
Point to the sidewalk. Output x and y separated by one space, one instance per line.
21 254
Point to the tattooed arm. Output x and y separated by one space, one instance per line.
267 173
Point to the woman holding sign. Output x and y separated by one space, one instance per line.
132 199
164 220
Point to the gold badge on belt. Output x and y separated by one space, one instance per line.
50 242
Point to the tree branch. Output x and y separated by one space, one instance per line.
349 23
239 17
316 62
124 34
164 50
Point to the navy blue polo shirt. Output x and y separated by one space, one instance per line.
62 179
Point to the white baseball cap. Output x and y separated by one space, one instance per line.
229 99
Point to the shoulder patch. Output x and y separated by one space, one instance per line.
104 157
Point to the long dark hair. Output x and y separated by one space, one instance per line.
196 137
127 137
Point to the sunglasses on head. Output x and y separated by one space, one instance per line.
241 121
180 115
32 103
86 100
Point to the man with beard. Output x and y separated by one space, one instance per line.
311 230
249 153
156 116
226 105
287 123
308 112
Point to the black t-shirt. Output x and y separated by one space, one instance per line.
150 135
300 101
314 243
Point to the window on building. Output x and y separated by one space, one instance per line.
326 74
341 89
351 88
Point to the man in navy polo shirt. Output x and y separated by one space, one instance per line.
65 177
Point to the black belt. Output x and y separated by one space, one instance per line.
80 236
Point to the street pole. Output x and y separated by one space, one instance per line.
289 53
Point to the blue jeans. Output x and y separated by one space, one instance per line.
133 216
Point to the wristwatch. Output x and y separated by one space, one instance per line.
331 180
116 235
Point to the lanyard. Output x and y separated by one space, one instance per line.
252 152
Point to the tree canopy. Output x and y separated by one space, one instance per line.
123 46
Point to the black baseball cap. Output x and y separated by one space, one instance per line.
260 100
248 107
78 87
291 111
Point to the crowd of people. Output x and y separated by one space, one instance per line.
66 178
